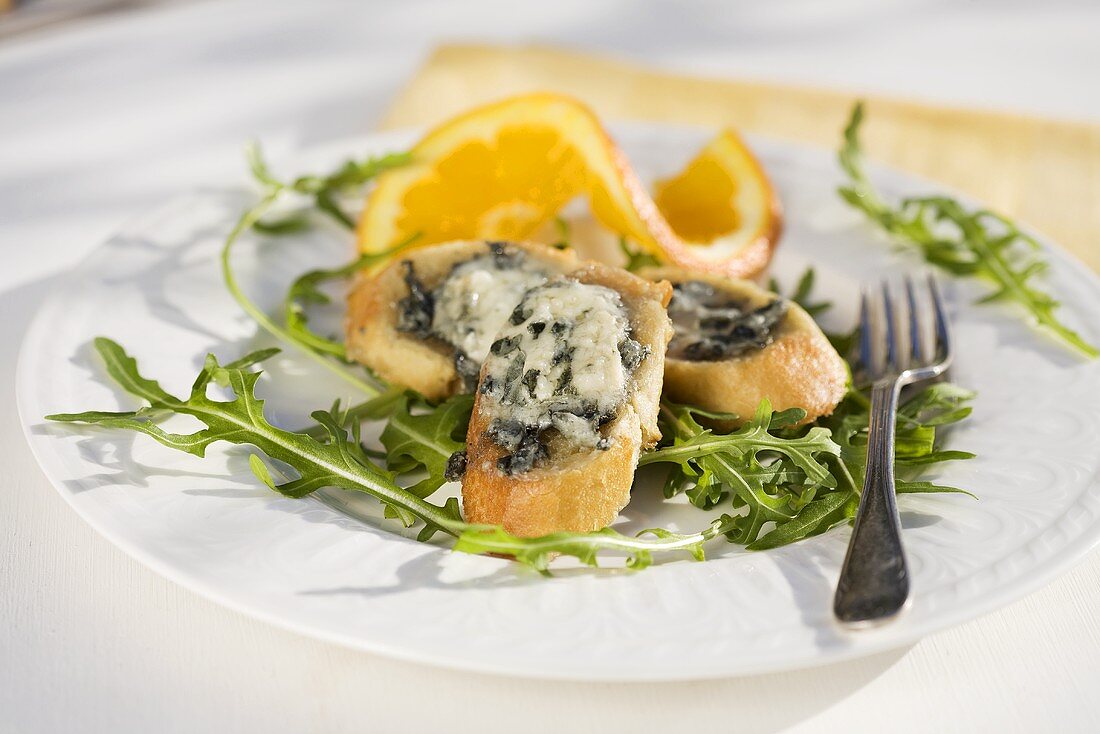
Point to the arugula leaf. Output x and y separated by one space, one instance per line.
815 518
803 480
291 224
564 234
585 547
362 383
426 439
969 243
770 475
294 332
305 290
636 259
691 440
920 415
801 294
338 459
842 342
325 190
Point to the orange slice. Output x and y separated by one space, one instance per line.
723 208
502 170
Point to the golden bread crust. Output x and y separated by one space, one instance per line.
800 369
580 491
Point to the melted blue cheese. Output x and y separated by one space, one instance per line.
710 325
478 296
561 366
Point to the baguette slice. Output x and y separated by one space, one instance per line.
799 369
426 365
577 490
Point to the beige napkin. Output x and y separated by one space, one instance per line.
1045 173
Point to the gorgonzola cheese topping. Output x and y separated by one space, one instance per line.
710 325
477 298
470 305
560 368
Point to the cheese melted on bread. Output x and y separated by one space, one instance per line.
470 305
711 325
558 372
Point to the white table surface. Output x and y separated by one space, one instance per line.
104 117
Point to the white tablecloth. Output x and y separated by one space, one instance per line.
103 118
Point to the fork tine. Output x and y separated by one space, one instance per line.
917 352
893 352
866 338
944 349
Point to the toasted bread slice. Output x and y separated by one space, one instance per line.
576 488
798 369
421 362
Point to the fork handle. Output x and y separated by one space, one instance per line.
874 581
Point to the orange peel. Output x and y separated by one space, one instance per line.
724 210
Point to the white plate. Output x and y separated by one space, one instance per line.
306 566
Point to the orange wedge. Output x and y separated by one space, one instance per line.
502 170
724 210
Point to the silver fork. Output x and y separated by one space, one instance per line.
874 581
